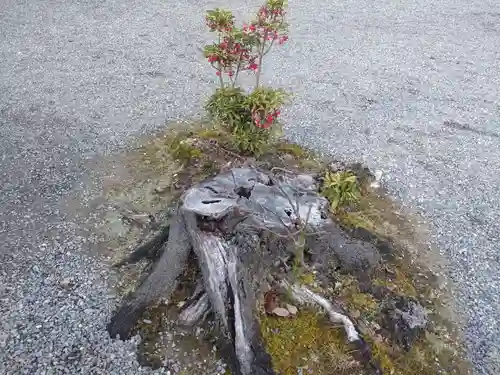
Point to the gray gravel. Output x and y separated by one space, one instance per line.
374 81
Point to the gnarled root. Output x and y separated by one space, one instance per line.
150 248
160 283
304 295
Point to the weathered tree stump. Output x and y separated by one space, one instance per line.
238 224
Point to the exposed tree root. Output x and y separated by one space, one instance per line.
150 248
303 295
160 283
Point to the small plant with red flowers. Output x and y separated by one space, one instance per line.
252 118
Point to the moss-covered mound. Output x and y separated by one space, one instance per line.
380 302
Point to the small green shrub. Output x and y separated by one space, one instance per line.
251 118
182 149
239 113
228 106
341 189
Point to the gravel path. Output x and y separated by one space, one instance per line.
409 87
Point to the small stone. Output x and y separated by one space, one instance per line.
378 175
406 320
356 314
337 166
305 180
66 283
292 309
147 321
161 189
3 340
282 312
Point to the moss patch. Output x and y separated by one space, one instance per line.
308 342
408 270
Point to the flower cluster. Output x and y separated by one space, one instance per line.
266 121
243 49
231 56
220 20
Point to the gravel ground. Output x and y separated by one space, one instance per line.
409 87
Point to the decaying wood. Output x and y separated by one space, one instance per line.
303 295
160 283
197 310
150 248
238 223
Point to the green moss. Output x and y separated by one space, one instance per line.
310 165
363 302
399 282
210 133
422 358
292 149
209 167
404 283
184 149
381 354
356 302
306 278
355 220
154 156
307 341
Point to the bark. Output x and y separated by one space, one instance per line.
160 283
150 248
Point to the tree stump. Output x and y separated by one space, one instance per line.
239 223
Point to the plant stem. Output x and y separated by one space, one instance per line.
219 69
237 69
261 56
221 81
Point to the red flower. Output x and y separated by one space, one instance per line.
213 58
269 118
252 28
211 25
253 66
217 74
230 73
283 39
266 125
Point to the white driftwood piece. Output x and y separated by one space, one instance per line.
304 295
